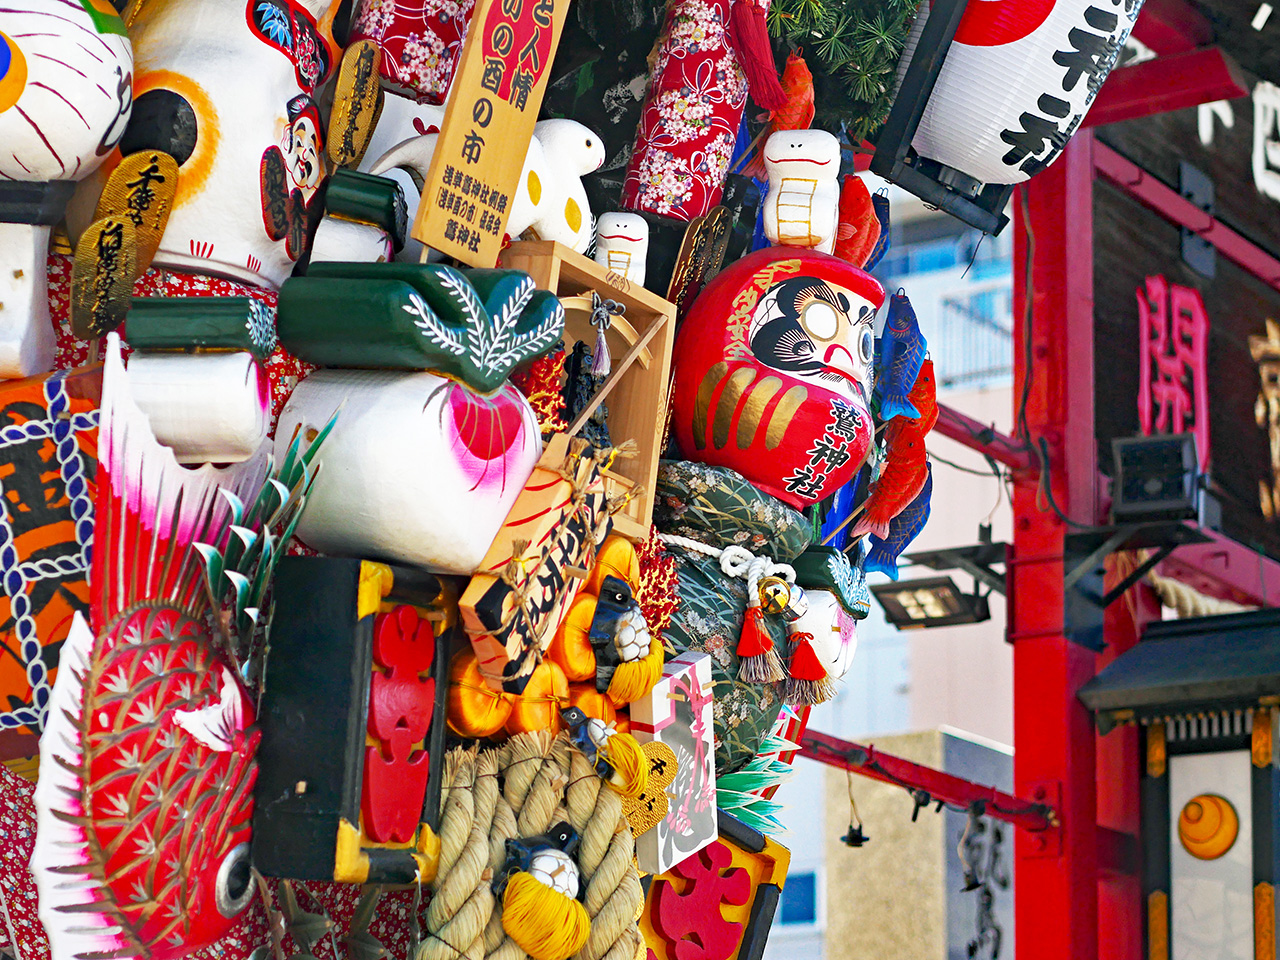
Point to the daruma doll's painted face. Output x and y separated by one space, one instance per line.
773 372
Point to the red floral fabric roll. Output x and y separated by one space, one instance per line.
691 116
421 41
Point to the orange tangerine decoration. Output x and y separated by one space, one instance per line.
539 706
474 708
592 702
1208 826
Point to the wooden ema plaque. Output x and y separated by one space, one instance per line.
679 711
488 122
640 346
534 568
353 723
719 903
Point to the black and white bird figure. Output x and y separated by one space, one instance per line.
549 858
619 633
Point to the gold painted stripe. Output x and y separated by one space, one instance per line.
753 410
780 419
350 863
376 581
1264 922
1158 926
703 402
1156 753
1261 745
739 380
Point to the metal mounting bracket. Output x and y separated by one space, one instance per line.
1083 556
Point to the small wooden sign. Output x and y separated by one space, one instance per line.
521 591
488 122
141 190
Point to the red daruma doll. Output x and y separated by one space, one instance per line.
773 371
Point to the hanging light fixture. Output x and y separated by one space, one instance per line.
930 602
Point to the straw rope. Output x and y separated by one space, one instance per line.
543 781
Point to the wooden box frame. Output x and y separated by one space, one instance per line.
640 344
308 823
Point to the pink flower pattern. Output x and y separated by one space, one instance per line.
420 41
691 116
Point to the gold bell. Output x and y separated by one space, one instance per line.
775 594
779 597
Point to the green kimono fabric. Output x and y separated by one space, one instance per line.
716 506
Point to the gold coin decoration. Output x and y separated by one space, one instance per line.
1208 826
141 190
646 811
357 104
102 275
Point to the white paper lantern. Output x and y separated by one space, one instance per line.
1017 81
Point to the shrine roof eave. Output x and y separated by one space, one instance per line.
1191 665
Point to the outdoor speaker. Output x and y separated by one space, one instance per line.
1156 478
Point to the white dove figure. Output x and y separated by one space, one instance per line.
549 198
66 91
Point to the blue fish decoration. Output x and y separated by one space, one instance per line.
903 528
880 206
902 350
842 504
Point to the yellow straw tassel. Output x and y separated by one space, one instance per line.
633 679
630 765
544 922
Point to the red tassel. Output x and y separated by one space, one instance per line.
758 661
805 664
755 640
808 684
750 35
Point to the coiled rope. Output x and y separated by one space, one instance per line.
543 781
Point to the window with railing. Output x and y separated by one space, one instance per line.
961 285
972 343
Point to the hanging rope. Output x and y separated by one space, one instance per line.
735 561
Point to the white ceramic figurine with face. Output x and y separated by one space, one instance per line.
228 89
802 207
66 90
622 244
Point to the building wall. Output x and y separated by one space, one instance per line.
884 900
963 676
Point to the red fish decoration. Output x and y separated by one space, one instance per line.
859 229
146 789
907 464
796 114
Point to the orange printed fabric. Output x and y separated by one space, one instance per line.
48 463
